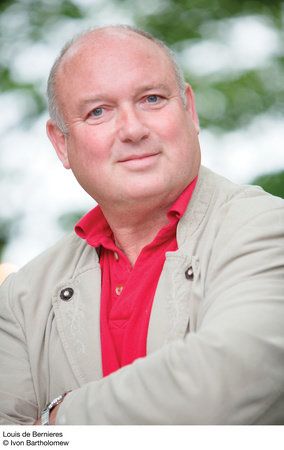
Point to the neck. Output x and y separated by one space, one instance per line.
133 229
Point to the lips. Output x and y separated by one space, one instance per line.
140 162
137 157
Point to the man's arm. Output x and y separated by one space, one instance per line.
17 397
230 371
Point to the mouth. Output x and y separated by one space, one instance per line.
139 162
138 157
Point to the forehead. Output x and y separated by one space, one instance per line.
110 43
104 57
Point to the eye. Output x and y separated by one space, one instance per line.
153 98
97 112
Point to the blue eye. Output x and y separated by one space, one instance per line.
97 112
153 98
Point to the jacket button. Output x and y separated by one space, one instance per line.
189 273
66 294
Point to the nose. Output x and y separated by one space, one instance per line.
130 126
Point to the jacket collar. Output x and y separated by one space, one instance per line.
170 316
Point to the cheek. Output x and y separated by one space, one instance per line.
87 150
177 138
174 127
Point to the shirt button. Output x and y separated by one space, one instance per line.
116 256
118 290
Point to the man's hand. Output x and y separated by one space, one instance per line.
52 416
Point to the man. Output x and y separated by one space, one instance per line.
166 306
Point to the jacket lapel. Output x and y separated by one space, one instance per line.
170 314
78 322
175 306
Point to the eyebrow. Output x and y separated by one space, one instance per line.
104 96
150 87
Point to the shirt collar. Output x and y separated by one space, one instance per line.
95 229
179 206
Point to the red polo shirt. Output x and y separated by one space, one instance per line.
127 293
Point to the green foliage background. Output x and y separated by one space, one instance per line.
179 23
234 98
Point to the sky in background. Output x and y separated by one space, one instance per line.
39 189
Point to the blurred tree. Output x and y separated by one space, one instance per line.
232 86
4 235
227 97
67 220
7 229
273 183
22 23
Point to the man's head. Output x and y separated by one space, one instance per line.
53 107
127 125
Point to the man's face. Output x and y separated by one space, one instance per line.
130 138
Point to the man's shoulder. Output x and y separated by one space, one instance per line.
64 260
225 193
219 202
226 189
67 249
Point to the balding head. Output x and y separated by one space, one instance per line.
91 39
128 135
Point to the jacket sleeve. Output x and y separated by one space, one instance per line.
231 369
17 397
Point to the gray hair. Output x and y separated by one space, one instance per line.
53 106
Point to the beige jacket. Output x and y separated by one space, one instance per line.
216 334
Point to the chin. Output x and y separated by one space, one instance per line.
149 193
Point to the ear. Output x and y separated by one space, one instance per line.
190 106
59 142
